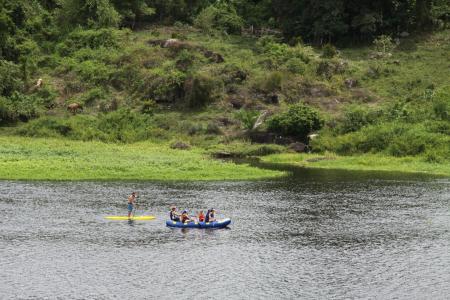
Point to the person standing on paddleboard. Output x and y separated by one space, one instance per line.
131 203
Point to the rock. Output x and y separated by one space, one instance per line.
312 136
404 34
172 43
224 121
262 137
214 57
350 83
180 146
237 103
222 154
273 99
298 147
319 91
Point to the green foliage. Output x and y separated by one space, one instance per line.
201 90
247 118
356 117
441 103
119 126
276 55
383 43
298 121
327 68
296 66
10 78
270 83
394 138
163 84
92 38
19 107
329 51
91 13
93 95
220 16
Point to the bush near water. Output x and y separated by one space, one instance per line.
207 72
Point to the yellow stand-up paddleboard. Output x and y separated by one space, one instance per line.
133 218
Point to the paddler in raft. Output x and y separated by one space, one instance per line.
210 215
131 203
174 215
185 217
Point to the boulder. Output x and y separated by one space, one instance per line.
222 154
404 34
214 57
273 98
180 146
237 103
298 147
350 83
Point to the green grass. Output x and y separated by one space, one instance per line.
57 159
366 162
423 66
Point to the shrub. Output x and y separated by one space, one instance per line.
276 54
94 72
329 51
220 16
19 107
10 75
160 84
355 117
270 83
91 96
296 66
441 103
213 128
90 38
46 127
329 67
383 43
201 90
247 117
298 121
124 125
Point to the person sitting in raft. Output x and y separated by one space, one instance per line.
131 203
185 217
174 215
210 215
201 216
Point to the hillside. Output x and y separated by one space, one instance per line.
216 86
176 92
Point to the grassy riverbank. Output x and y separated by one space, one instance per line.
366 162
57 159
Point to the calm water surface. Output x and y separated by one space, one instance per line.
315 235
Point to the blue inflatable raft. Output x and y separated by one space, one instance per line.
216 224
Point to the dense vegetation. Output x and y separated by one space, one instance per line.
232 76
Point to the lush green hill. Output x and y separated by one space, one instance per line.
207 88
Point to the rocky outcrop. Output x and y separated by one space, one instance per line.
350 83
180 146
177 45
298 147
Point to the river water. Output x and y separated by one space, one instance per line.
314 235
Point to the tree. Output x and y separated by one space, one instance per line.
91 13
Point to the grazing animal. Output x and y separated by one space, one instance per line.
74 108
